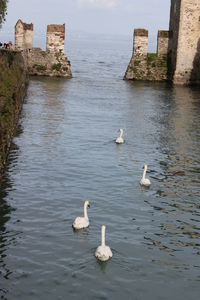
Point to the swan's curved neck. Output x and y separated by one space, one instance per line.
121 133
85 211
144 173
103 230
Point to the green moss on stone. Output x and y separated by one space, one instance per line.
133 69
56 67
137 62
151 57
40 68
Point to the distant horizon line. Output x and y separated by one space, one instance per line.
9 29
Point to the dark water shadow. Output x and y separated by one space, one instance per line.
8 238
195 74
5 215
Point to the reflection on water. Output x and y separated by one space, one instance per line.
7 236
180 171
65 153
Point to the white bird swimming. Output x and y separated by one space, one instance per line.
103 252
120 140
82 222
145 181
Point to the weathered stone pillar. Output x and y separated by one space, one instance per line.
19 35
23 36
140 42
162 42
55 38
137 68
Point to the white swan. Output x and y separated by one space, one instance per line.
103 252
82 222
120 140
145 181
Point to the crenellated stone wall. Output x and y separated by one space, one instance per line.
178 50
144 65
43 63
53 61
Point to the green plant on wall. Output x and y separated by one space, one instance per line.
40 68
3 11
12 88
136 62
56 67
151 57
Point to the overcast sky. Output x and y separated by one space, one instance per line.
92 16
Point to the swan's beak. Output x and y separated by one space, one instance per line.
89 205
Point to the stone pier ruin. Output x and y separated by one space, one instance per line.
178 50
53 61
144 65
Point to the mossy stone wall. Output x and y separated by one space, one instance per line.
46 63
151 67
13 82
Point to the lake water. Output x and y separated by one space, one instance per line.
64 152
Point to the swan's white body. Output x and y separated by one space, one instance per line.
120 140
82 222
145 181
103 252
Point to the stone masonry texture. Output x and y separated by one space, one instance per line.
53 61
178 50
144 65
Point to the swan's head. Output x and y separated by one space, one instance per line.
87 203
103 228
145 167
121 131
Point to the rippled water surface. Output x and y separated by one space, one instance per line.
64 152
